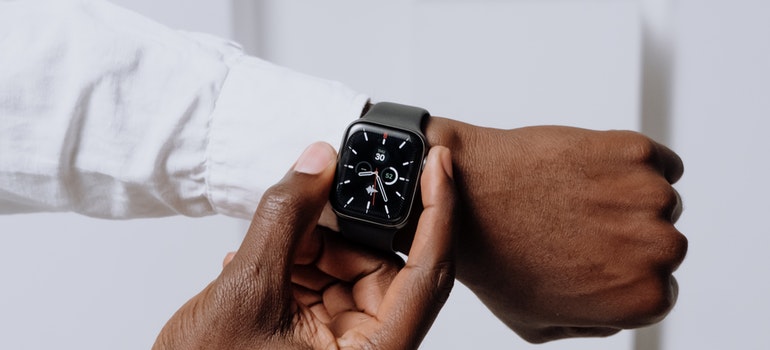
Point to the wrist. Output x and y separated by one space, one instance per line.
443 132
459 138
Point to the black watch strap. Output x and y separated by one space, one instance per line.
397 116
379 238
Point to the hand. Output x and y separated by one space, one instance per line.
289 287
565 232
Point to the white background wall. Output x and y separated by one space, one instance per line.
75 283
721 117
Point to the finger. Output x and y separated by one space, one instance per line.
349 262
643 148
312 301
338 298
309 247
670 162
310 277
306 297
228 258
678 208
329 218
423 285
369 272
259 272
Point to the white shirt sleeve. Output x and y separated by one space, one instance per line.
108 114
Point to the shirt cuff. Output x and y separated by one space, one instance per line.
264 117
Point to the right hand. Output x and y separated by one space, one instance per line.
288 287
565 232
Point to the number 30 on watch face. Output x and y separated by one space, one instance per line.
377 174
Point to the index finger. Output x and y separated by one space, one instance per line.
670 162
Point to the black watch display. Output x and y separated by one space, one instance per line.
378 172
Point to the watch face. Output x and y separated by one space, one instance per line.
377 174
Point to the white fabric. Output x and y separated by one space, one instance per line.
105 113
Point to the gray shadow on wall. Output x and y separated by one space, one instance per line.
656 91
249 25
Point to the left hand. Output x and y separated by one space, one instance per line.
566 232
289 287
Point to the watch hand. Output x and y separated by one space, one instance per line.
374 193
382 188
366 173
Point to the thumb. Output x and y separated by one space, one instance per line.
421 288
290 209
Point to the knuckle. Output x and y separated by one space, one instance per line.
677 245
656 197
234 291
654 292
666 248
279 201
639 148
435 281
677 208
665 199
647 303
656 303
445 269
670 243
670 201
445 275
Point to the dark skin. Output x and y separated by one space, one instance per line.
292 285
565 232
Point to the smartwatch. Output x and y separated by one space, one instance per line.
378 173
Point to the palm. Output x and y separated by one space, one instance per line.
322 329
339 293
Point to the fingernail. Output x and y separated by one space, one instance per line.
315 159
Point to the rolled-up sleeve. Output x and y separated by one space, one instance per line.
108 114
